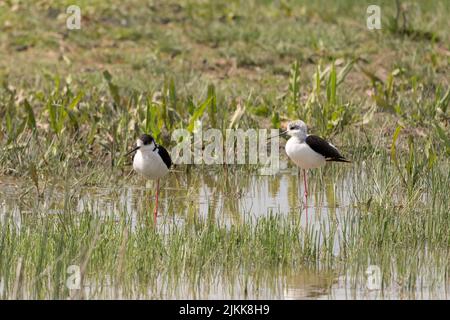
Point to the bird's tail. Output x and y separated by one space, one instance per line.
338 160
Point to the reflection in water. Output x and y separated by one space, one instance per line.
228 199
306 284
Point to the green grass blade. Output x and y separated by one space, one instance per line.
30 115
198 114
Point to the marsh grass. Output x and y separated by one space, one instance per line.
384 224
381 97
195 251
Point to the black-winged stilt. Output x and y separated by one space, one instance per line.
152 161
309 151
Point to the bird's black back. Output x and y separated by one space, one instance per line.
322 147
164 156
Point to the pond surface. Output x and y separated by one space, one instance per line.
228 200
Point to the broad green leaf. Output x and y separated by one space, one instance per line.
31 119
444 102
331 88
198 113
52 116
393 145
113 89
444 137
344 72
75 101
212 110
294 86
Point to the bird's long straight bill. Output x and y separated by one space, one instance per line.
284 132
130 152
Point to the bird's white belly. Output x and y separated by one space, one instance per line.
303 156
149 164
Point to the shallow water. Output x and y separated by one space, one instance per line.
230 200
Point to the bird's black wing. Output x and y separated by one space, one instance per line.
324 148
165 156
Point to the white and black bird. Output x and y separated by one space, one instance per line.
152 161
309 151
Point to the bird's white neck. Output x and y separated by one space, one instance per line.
299 137
148 148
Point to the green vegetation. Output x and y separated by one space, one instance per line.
73 101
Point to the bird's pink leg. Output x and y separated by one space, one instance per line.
306 184
306 193
155 213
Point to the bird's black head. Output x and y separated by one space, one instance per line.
143 140
146 139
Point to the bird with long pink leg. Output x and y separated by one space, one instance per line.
309 151
151 161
